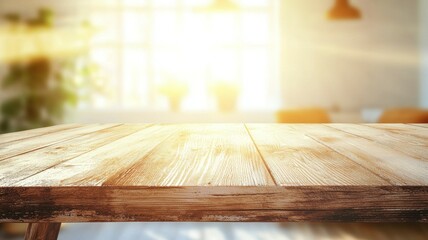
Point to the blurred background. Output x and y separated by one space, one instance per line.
289 61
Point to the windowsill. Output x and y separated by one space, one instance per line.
148 116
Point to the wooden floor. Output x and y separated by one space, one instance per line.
237 231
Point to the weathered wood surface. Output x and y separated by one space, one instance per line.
220 172
390 164
296 159
9 137
421 125
270 203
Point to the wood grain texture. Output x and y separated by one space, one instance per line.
42 231
404 129
417 147
425 125
297 160
58 153
95 167
15 136
235 204
14 148
199 155
185 155
392 165
217 172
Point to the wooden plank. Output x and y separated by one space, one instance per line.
95 167
295 159
16 136
425 125
396 167
404 130
188 155
26 165
415 147
11 149
199 155
42 231
202 203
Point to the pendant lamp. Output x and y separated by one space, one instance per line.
343 10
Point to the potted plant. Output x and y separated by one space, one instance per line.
175 91
40 88
226 94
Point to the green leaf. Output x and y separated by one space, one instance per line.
12 106
5 126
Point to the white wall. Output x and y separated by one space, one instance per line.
423 7
372 62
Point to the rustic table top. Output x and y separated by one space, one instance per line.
215 172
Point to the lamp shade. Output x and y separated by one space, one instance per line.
342 10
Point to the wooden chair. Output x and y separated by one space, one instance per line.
303 115
404 115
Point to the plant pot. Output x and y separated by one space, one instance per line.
227 102
175 103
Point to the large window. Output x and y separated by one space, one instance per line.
142 44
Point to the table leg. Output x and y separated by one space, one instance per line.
42 231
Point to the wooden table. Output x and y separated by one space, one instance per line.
221 172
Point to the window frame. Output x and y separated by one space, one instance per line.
151 101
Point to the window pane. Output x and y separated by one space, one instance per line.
165 65
104 3
107 28
135 2
224 65
223 28
172 42
106 59
196 79
134 27
164 3
135 77
195 29
253 3
197 3
256 79
165 27
255 28
165 69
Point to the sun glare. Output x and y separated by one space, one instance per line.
144 45
19 43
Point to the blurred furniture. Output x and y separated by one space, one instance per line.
404 115
346 117
303 115
371 115
213 172
13 229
